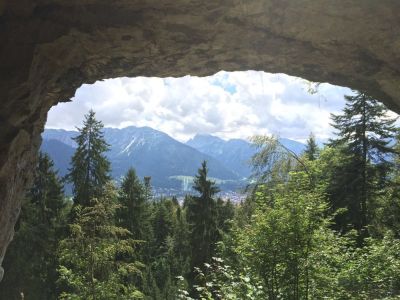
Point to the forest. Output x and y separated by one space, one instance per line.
321 225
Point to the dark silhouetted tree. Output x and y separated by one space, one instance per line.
202 218
364 133
312 150
89 166
134 211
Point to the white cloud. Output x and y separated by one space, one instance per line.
229 105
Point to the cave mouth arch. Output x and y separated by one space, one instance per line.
189 105
222 109
50 49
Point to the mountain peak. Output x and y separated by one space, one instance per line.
205 135
204 138
154 153
151 152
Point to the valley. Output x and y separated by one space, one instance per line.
170 163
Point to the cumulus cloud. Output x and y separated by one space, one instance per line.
227 104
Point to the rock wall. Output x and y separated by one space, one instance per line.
50 47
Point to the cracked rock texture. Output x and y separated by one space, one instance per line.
50 47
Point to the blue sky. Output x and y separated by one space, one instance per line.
227 104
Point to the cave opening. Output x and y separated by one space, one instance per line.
222 111
50 49
165 127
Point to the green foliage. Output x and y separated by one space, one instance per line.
89 167
364 133
288 251
30 264
89 266
168 251
300 233
134 211
373 271
220 281
225 214
386 213
273 162
202 219
281 235
364 127
312 151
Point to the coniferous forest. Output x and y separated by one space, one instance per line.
321 225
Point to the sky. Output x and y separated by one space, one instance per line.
227 105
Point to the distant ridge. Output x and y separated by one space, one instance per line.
156 154
151 152
235 153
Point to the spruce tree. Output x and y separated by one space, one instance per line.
364 133
97 259
312 150
91 263
89 166
134 211
202 219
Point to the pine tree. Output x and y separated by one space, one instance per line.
31 262
202 218
90 168
364 132
312 150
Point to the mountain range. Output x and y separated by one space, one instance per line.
170 163
235 153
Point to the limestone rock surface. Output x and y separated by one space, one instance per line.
50 47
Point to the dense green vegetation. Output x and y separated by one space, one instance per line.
322 225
